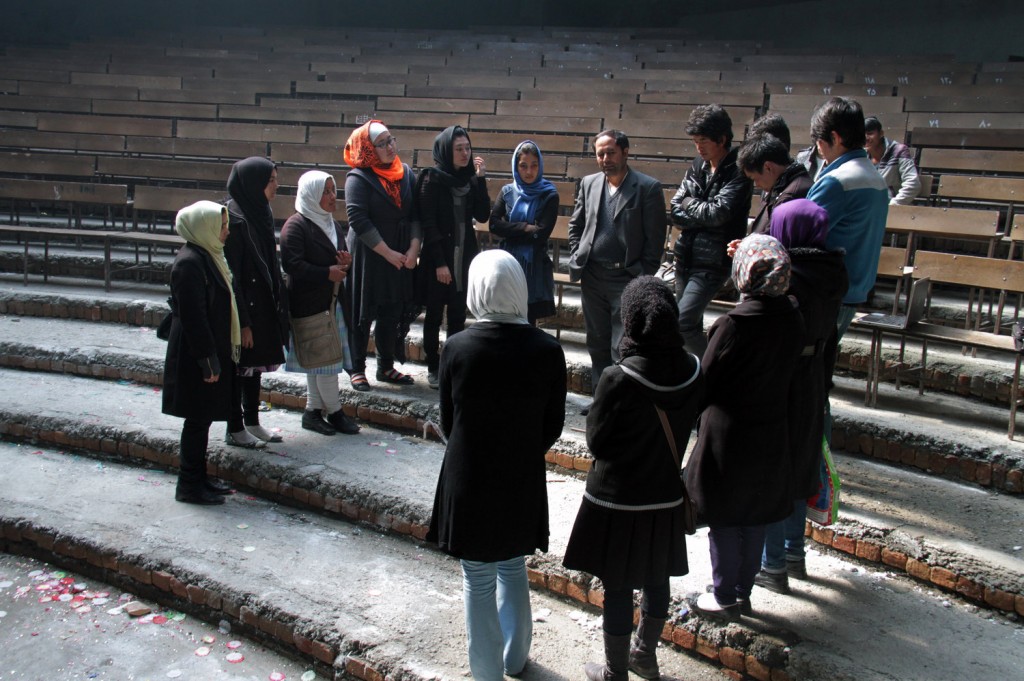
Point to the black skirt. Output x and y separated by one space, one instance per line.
627 549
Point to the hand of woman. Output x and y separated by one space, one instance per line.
395 259
731 247
212 379
411 257
336 273
531 229
478 165
444 275
246 337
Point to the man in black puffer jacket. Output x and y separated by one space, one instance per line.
711 208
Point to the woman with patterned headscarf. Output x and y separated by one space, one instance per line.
738 474
523 216
203 346
251 251
451 195
384 239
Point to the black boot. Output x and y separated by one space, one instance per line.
197 494
643 660
342 423
313 420
616 656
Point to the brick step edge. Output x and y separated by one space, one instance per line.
730 647
884 445
149 314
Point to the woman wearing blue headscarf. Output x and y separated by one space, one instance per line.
523 216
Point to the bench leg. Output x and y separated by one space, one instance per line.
1014 396
924 367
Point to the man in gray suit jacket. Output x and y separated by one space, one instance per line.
616 233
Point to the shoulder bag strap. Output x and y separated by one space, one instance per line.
668 435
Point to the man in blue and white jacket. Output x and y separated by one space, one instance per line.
853 194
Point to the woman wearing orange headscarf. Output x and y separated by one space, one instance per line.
384 239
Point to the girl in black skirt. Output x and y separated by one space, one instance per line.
629 529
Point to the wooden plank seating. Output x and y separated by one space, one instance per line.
33 140
428 104
966 138
104 125
199 96
409 119
941 119
151 201
53 165
996 275
177 147
74 195
872 105
26 104
973 189
975 161
155 109
27 235
349 87
531 124
148 169
270 114
214 130
79 92
966 104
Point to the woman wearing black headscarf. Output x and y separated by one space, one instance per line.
630 527
451 195
251 251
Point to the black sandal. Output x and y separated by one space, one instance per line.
360 383
394 376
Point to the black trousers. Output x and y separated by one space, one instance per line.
439 297
618 607
245 402
385 333
195 436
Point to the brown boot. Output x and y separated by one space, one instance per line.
643 660
616 656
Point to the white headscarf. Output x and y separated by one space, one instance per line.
307 202
497 288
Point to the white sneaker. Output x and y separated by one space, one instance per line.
707 604
432 379
261 433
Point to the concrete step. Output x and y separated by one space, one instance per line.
920 550
948 435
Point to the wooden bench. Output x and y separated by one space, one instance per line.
982 190
73 195
989 161
997 275
966 138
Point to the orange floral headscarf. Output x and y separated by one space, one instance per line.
360 153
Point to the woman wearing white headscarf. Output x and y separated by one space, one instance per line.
203 346
316 262
501 375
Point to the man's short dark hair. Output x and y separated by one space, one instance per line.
840 115
772 124
620 138
760 149
711 121
872 124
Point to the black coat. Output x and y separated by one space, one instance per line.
793 183
307 255
200 336
259 291
711 209
739 471
818 283
633 461
373 281
502 407
436 209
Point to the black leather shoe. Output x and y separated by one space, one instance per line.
201 496
217 487
312 420
342 423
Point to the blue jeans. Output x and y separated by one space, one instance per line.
499 623
694 290
785 539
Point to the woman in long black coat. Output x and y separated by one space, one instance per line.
818 283
251 251
203 345
630 528
451 195
384 239
490 508
738 474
